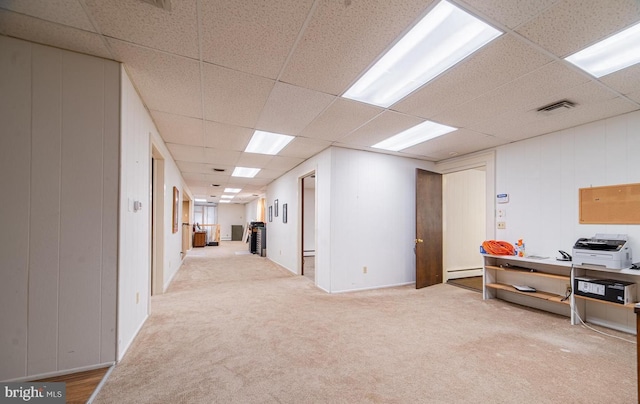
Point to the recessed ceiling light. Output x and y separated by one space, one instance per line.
267 142
245 172
232 190
420 133
227 196
610 55
225 201
444 37
200 200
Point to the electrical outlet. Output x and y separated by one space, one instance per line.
502 225
364 270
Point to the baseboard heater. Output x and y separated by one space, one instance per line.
466 269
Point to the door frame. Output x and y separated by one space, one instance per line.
157 203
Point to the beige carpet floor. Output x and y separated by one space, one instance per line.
238 329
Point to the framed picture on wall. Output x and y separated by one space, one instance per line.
284 213
275 208
270 213
176 199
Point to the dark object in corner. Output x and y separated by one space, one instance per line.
565 256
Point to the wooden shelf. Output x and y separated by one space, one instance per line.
629 306
552 297
528 271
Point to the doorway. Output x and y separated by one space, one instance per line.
186 224
464 207
475 176
308 226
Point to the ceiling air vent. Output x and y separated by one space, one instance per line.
556 107
163 4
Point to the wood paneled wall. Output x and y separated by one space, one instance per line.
59 113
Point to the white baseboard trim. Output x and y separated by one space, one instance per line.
166 285
375 287
56 373
99 386
133 337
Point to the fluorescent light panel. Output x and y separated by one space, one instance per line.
444 37
232 190
199 200
225 201
420 133
267 142
245 172
610 55
227 196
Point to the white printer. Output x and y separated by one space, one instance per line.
609 250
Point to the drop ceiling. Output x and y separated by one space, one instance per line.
213 71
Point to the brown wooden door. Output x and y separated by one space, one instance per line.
428 240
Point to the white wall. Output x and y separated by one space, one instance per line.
58 246
283 244
542 177
134 244
138 134
372 219
365 216
230 214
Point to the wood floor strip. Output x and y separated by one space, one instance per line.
80 386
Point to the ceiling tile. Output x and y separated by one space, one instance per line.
500 62
527 92
571 25
225 136
344 38
174 31
49 33
187 153
254 160
302 147
61 11
523 124
265 176
203 168
179 129
510 13
635 96
252 36
283 163
234 97
625 81
341 118
290 109
385 125
167 83
221 157
459 142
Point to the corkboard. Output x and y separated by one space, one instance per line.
615 204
